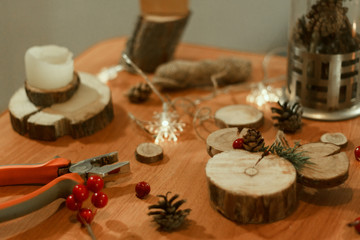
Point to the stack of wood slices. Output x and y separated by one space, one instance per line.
79 109
260 187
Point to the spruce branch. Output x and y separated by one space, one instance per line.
298 159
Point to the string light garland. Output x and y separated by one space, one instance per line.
166 124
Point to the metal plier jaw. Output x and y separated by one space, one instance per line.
100 166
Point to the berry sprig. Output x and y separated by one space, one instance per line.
80 193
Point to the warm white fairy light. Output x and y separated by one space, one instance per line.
261 95
166 125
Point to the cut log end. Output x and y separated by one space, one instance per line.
239 116
149 153
338 139
221 140
328 168
247 194
45 98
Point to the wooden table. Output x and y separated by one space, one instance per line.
321 214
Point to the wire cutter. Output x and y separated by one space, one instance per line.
59 177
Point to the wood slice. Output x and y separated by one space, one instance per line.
149 153
330 167
221 140
154 40
337 138
45 98
245 194
89 110
239 116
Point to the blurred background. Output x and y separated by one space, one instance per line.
246 25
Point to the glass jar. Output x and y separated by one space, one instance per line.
323 58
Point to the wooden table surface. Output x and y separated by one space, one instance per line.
321 214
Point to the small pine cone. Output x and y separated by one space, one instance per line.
167 214
253 141
289 116
139 93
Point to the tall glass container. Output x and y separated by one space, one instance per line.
323 58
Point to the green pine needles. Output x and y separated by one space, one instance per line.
298 159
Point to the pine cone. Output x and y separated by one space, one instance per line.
139 93
289 119
253 141
169 217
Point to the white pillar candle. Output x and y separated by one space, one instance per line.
48 67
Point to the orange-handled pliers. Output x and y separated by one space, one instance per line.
59 175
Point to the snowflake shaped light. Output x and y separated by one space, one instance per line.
166 125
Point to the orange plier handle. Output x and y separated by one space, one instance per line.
47 173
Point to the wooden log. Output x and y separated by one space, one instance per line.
330 167
154 40
221 140
247 194
88 111
239 115
45 98
148 153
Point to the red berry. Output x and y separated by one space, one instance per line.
357 153
80 192
95 183
357 227
72 204
85 214
238 143
99 199
142 189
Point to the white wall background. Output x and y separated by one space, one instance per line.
246 25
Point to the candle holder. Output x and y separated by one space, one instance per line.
45 98
323 59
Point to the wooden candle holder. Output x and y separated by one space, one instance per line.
45 98
89 110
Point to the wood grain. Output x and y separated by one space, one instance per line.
321 214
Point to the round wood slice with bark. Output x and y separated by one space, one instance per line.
328 168
240 116
149 153
89 110
248 194
45 98
336 138
221 140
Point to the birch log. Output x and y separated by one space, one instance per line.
89 110
247 194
